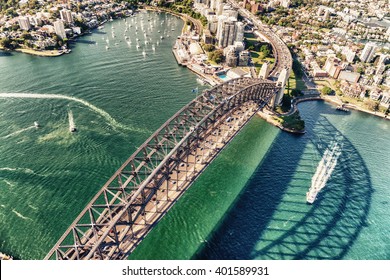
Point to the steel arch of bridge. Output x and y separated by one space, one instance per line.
140 192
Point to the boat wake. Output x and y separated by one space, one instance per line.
324 171
101 112
20 215
17 132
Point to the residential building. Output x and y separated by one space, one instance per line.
243 58
66 16
59 29
24 23
349 54
368 52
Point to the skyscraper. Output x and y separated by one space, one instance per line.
368 52
24 23
59 29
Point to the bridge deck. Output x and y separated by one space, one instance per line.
158 173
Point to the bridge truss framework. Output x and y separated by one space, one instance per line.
146 186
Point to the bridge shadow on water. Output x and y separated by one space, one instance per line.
270 218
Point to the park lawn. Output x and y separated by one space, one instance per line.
295 83
257 57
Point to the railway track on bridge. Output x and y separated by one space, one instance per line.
148 184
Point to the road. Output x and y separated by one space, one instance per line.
283 58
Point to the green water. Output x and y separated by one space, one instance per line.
248 204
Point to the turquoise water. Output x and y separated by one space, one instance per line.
248 204
223 77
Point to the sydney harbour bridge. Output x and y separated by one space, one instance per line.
148 184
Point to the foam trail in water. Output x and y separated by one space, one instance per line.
101 112
20 215
17 132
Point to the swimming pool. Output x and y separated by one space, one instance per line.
223 77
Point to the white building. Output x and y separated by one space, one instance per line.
368 52
239 31
66 16
349 54
381 65
24 23
285 3
59 29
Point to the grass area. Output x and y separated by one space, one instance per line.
329 83
293 122
258 58
295 81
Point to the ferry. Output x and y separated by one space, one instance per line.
323 172
342 108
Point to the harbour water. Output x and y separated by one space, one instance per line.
250 202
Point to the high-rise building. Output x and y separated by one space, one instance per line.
349 54
59 29
368 52
212 24
229 31
239 31
24 23
381 65
219 7
66 16
243 58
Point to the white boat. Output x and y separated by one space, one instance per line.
161 37
101 27
201 81
72 126
324 171
107 47
36 124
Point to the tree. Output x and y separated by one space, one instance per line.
208 47
265 49
360 70
216 56
326 90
